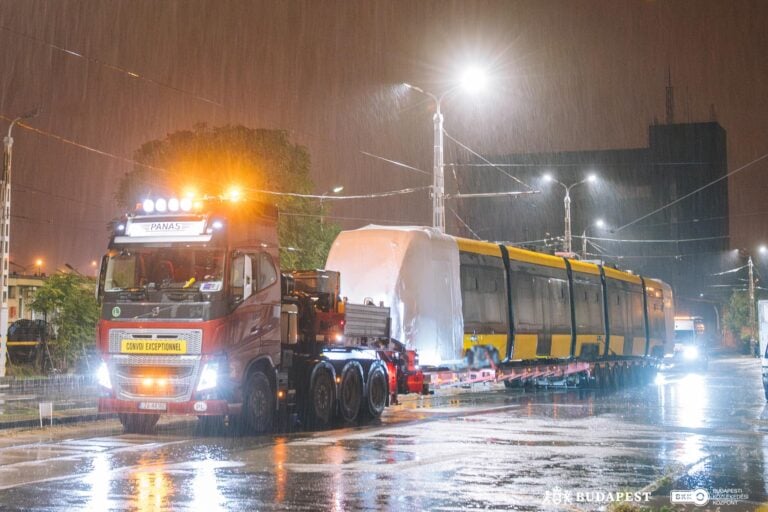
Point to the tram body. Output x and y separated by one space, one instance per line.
455 300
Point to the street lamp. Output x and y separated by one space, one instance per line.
39 265
599 223
334 190
5 238
567 204
473 79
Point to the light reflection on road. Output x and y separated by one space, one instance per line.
154 490
490 450
684 401
99 480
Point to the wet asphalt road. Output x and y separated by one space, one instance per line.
490 450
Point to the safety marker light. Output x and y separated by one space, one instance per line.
186 204
161 205
173 204
148 205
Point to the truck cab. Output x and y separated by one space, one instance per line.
690 349
190 302
197 319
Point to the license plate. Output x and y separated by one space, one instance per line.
153 346
153 406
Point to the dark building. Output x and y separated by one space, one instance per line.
683 244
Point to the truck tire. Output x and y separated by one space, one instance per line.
375 393
351 392
321 399
138 423
259 404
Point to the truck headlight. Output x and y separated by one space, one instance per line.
102 375
691 353
209 376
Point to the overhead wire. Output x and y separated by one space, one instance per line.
113 67
671 203
477 237
481 157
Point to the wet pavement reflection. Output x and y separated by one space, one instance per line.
494 449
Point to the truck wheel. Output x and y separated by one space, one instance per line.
259 405
376 393
138 423
321 397
351 392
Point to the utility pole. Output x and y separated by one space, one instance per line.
5 236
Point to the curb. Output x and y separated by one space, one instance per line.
57 420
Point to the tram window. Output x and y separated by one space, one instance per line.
524 303
560 311
636 313
484 298
617 310
589 311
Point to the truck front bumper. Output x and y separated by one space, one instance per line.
196 407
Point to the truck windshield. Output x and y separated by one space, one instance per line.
159 268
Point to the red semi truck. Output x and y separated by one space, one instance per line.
196 318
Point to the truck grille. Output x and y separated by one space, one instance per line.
192 337
161 378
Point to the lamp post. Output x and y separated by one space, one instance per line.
599 223
752 304
473 80
567 205
5 226
438 166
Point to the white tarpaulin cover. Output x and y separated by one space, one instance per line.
414 271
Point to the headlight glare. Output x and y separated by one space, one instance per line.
209 376
102 375
691 353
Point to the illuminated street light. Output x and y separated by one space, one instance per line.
600 224
5 237
567 204
474 80
39 265
334 190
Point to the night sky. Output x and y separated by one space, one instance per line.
566 75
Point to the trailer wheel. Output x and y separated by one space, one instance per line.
376 392
259 404
600 377
351 391
138 423
321 398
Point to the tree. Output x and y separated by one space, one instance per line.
69 304
736 317
211 160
